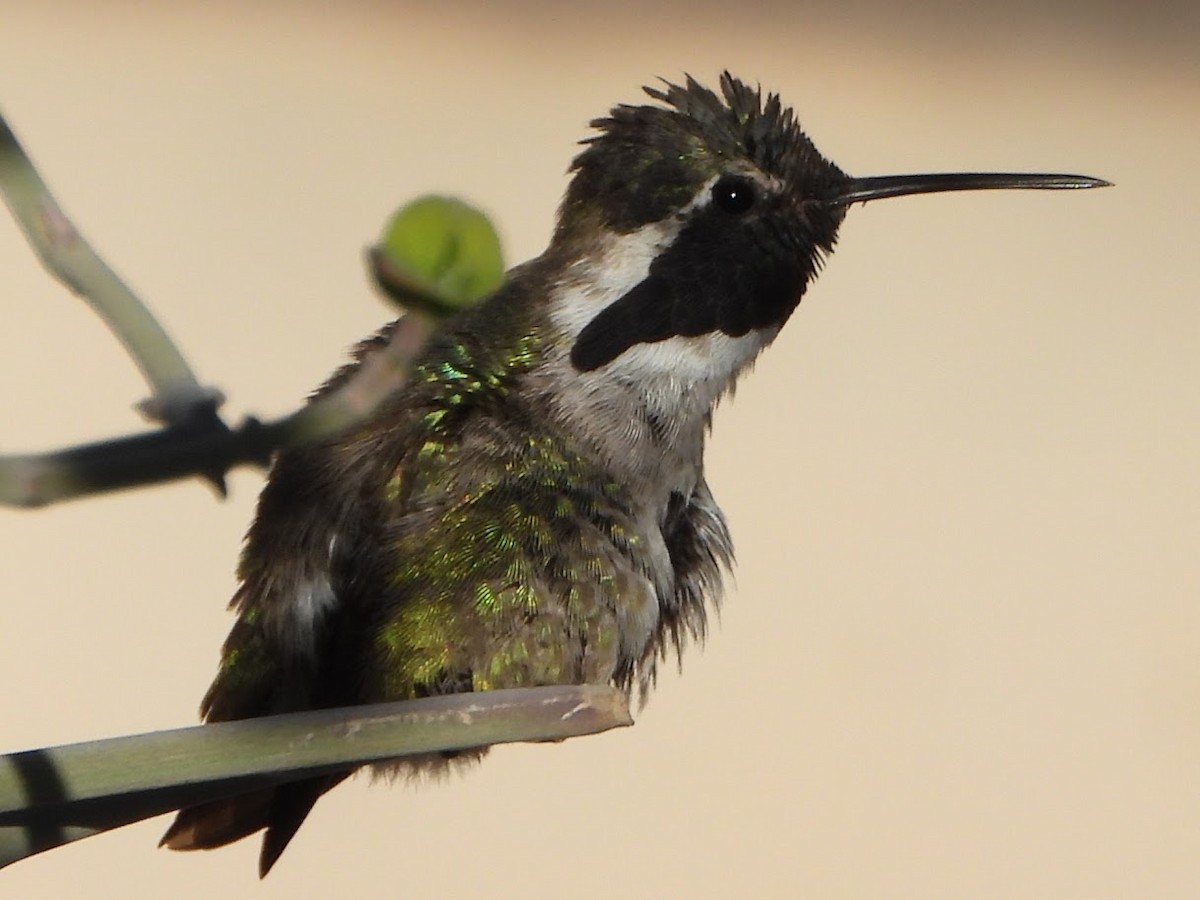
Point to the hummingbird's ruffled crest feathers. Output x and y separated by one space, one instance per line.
744 122
646 161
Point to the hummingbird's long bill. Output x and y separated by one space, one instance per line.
859 190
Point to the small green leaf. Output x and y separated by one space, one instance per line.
438 254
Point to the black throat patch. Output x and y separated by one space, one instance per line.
713 278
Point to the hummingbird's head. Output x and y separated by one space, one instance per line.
700 216
692 227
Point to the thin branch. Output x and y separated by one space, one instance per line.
60 794
154 457
178 399
211 449
380 374
196 440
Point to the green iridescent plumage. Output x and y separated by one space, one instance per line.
497 548
516 559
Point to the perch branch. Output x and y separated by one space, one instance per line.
57 795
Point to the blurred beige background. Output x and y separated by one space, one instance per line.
963 655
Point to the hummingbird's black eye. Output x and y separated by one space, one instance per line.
734 194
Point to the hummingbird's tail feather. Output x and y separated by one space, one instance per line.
289 808
281 811
210 825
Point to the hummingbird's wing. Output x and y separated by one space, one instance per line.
293 581
300 562
273 661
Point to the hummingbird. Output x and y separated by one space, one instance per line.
531 508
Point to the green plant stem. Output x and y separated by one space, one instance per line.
178 398
34 480
52 796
